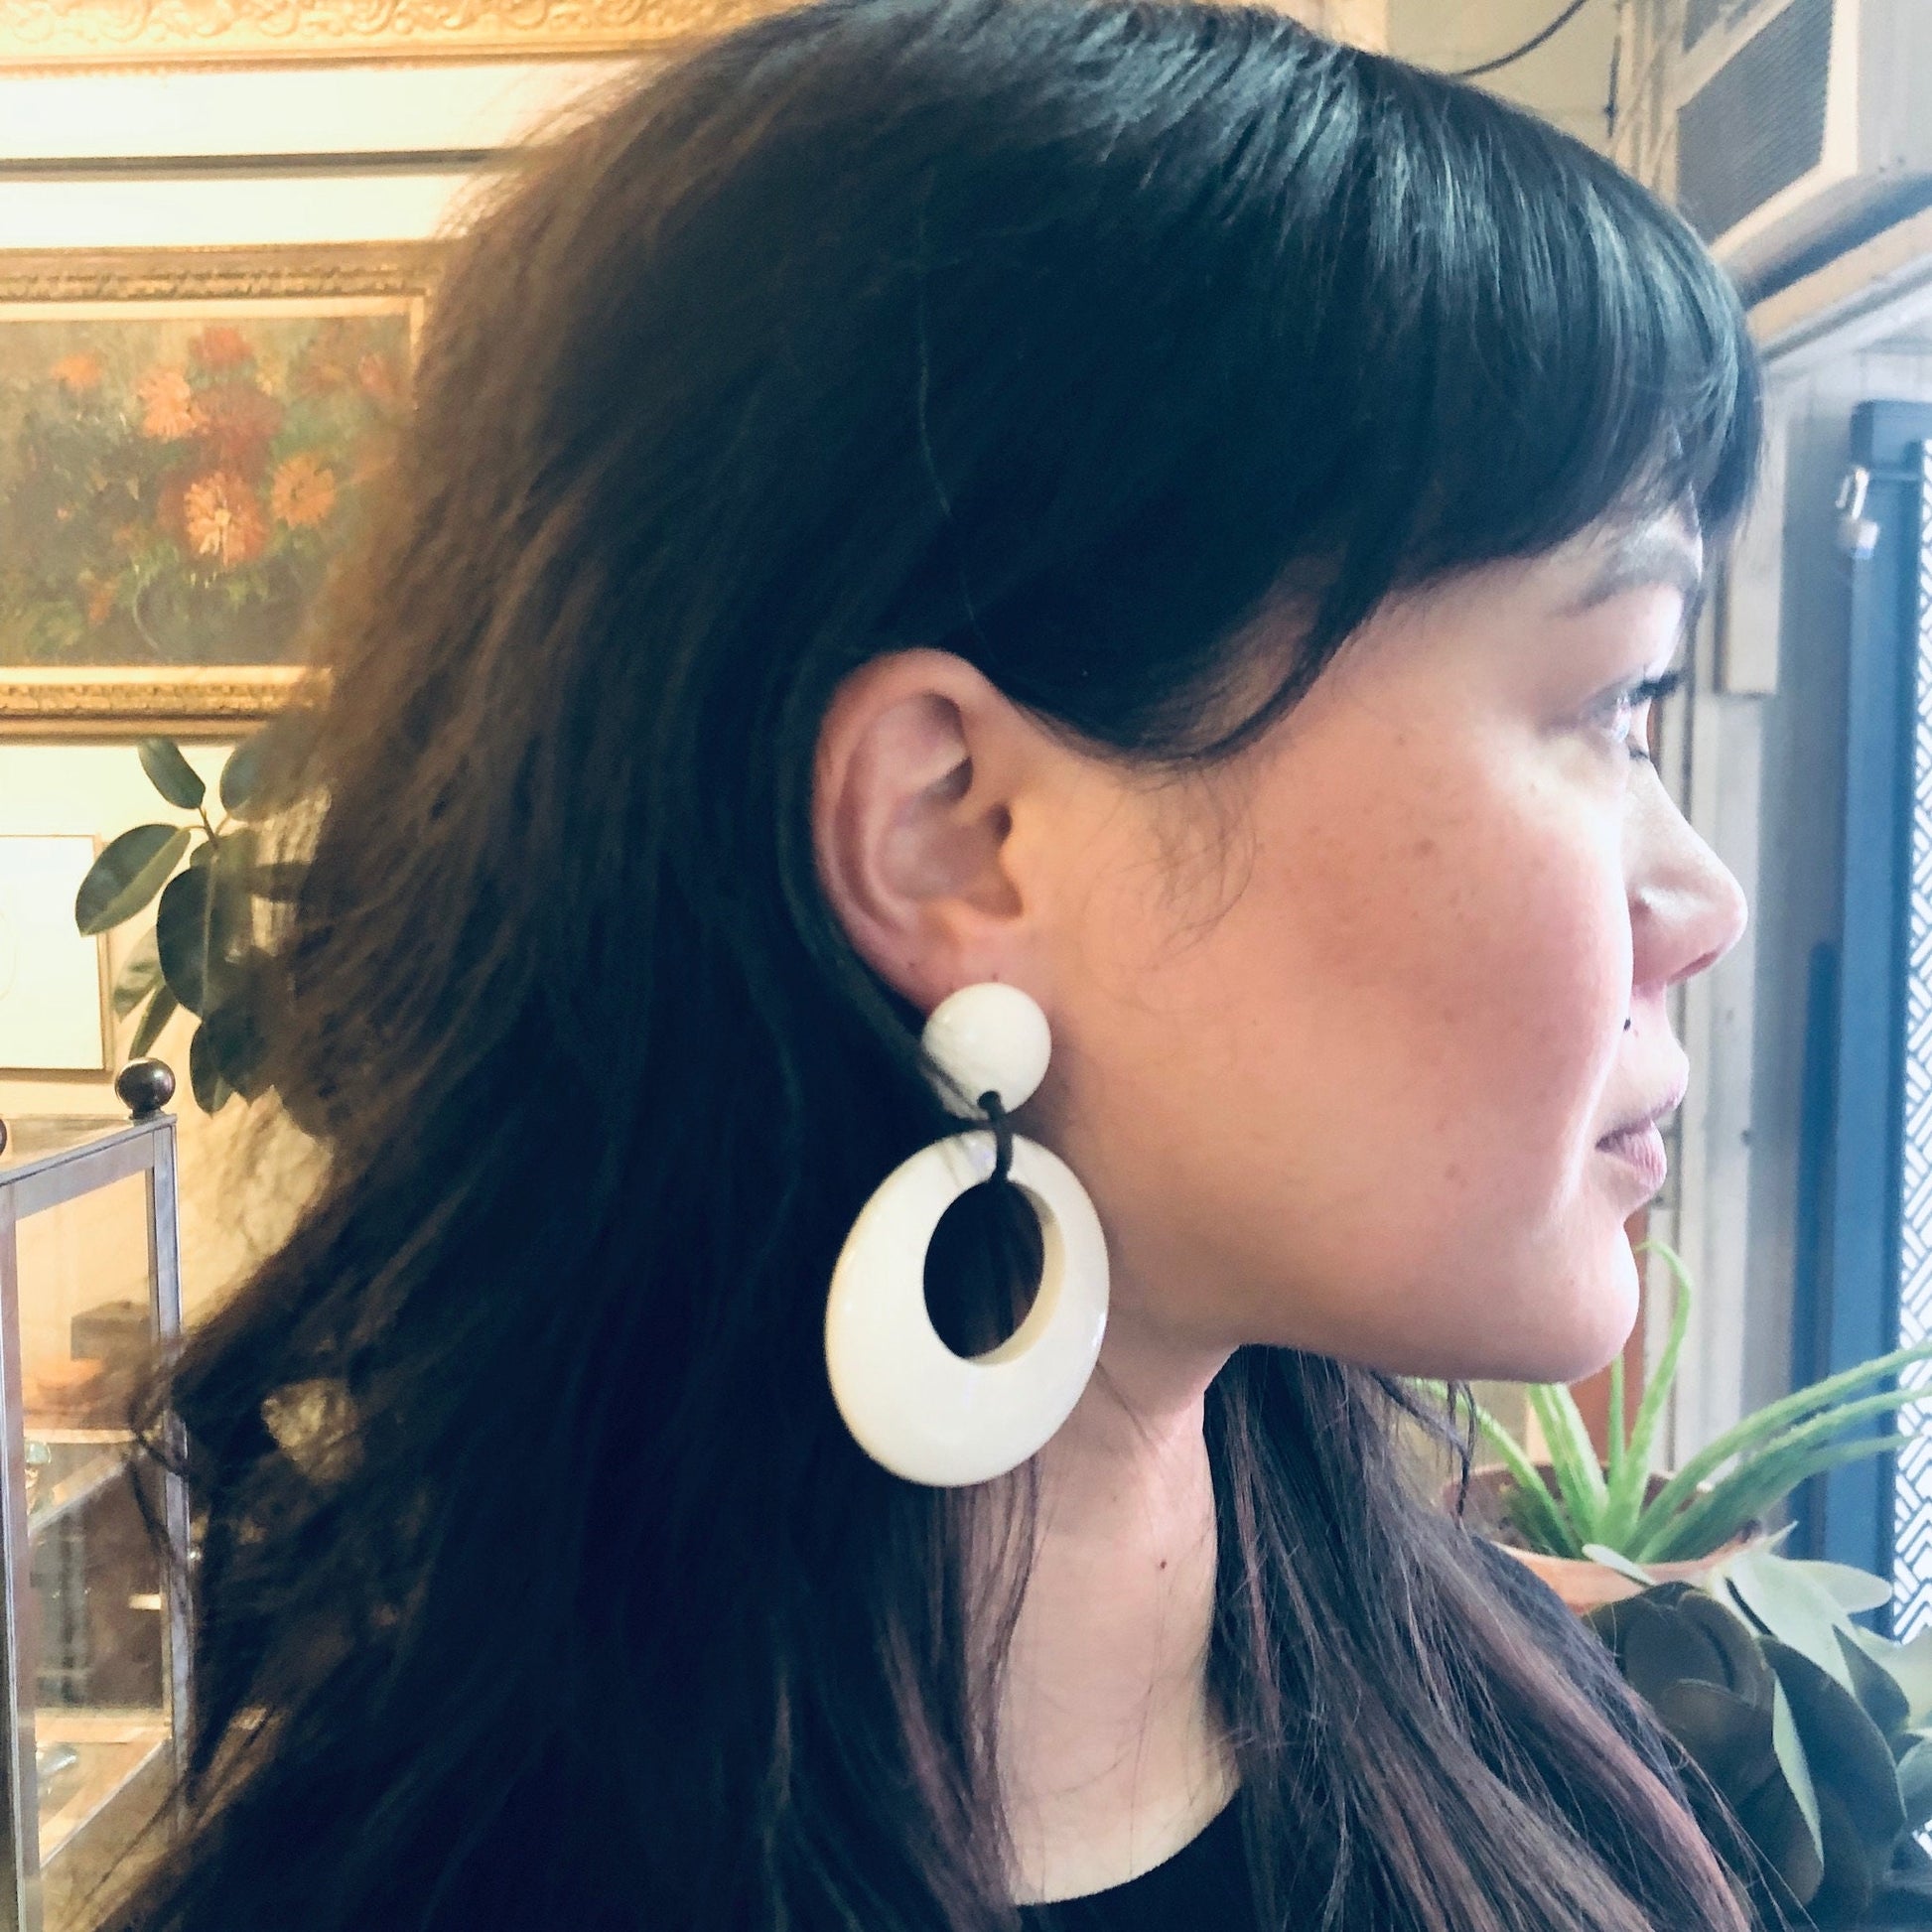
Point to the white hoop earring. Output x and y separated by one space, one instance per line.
911 1404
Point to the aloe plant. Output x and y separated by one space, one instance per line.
201 955
1600 1506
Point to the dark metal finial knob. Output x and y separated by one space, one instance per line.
145 1086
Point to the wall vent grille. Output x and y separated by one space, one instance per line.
1758 124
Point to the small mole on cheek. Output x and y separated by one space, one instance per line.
1163 1563
1426 848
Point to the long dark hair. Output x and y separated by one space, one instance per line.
540 1582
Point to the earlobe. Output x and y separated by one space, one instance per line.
908 829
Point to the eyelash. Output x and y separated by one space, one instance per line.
1653 690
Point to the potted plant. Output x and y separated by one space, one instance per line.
204 952
1817 1731
1813 1729
1582 1523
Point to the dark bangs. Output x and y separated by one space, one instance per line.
1348 328
1542 346
1573 352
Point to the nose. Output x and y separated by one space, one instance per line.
1686 910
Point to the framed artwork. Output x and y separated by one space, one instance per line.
52 982
97 33
187 441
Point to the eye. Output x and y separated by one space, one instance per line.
1625 714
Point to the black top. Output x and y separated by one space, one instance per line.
1205 1885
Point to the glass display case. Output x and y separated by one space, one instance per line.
93 1641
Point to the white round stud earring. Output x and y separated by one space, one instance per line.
911 1404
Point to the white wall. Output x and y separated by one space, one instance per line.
1566 80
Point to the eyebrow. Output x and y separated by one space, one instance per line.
1642 558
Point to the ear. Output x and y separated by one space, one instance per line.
921 764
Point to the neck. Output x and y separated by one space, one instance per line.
1110 1753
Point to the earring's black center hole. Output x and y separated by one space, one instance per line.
982 1269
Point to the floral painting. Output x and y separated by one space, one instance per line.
172 491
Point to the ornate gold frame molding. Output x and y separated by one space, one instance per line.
268 272
119 32
107 702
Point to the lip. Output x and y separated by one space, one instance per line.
1640 1148
1636 1124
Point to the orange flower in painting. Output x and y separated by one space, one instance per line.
223 519
101 600
77 374
167 406
326 362
218 347
376 376
240 421
302 493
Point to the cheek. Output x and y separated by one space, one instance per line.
1458 953
1365 1090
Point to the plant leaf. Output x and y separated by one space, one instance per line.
1796 1767
1676 1631
140 974
1743 1480
1915 1784
1751 1491
1907 1663
212 1091
1793 1608
1650 1406
1614 1560
1573 1457
1874 1687
1775 1418
132 869
161 1009
1853 1772
171 775
1850 1589
237 1038
204 927
1541 1518
262 772
1614 1434
181 936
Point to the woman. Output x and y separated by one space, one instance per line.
1130 504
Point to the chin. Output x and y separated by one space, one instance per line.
1557 1323
1603 1314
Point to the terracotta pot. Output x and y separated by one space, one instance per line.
1580 1583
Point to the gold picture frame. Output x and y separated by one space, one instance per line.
118 307
42 33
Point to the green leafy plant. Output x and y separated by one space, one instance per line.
1813 1729
204 953
1605 1506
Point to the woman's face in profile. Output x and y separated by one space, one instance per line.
1338 1047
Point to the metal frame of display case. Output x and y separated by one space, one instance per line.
87 1155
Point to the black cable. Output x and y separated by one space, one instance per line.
1549 33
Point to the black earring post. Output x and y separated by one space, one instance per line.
1002 1124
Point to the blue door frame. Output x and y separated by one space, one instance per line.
1852 1149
